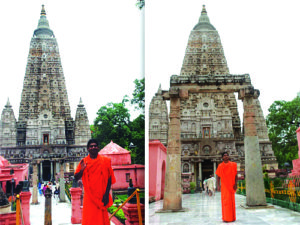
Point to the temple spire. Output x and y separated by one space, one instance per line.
204 22
8 104
159 89
43 30
80 102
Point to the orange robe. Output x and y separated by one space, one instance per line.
95 177
227 172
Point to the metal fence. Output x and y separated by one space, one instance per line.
284 192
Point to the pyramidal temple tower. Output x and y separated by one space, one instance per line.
45 131
204 112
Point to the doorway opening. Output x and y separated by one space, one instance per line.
46 170
207 169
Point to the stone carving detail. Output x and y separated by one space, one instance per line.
158 118
206 150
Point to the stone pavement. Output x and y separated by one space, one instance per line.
202 209
61 212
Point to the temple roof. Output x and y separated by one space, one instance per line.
204 23
113 148
43 29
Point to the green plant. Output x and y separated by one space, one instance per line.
120 214
193 186
118 202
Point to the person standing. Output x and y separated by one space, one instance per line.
210 183
97 176
227 173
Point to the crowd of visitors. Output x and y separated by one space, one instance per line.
43 186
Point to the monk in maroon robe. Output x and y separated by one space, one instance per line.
227 172
97 177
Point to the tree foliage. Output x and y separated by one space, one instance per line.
113 124
140 4
139 94
283 121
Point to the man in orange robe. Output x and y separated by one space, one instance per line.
97 177
227 172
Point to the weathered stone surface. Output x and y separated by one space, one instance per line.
173 192
254 175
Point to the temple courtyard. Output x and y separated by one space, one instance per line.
61 212
202 209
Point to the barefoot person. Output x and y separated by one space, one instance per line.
97 177
227 172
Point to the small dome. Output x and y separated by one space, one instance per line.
113 148
204 23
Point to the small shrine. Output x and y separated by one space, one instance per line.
12 174
123 169
118 155
12 182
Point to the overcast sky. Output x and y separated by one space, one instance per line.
260 38
99 45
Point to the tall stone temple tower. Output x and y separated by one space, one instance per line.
45 133
158 118
204 112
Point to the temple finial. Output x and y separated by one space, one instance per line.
203 10
43 12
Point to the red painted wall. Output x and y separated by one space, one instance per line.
136 173
119 159
157 168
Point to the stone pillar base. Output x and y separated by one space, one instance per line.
131 213
171 210
257 206
25 198
76 216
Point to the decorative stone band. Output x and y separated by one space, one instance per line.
243 79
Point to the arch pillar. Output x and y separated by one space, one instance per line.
34 199
173 189
62 196
253 167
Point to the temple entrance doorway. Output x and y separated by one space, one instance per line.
46 170
207 169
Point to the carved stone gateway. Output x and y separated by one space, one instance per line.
204 117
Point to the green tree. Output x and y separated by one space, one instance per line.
137 128
138 125
112 124
139 94
283 121
140 4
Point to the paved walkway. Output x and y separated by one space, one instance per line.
201 209
61 212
